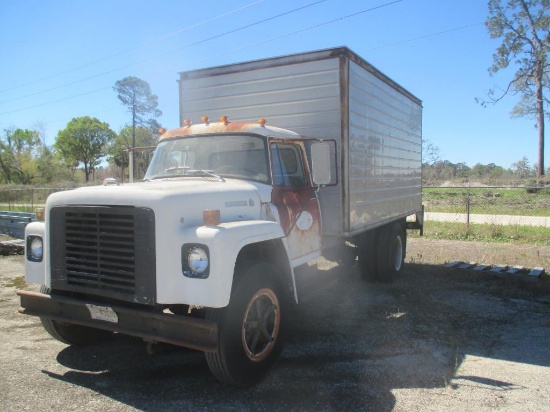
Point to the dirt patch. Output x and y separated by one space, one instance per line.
436 252
450 183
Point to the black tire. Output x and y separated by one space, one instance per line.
71 334
392 244
251 328
368 256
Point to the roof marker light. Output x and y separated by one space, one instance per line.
224 119
204 119
262 122
162 130
187 122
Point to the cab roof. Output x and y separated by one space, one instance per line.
229 127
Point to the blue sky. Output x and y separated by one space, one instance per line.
60 59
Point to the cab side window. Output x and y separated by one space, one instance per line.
288 169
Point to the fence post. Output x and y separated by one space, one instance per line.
468 207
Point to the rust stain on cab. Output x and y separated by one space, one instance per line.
217 127
290 202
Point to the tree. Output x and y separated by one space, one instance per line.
430 152
49 167
84 140
524 26
17 151
136 95
521 168
118 151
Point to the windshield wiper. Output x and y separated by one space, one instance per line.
187 172
195 172
167 171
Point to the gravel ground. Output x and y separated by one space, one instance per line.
436 339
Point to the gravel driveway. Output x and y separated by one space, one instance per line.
437 339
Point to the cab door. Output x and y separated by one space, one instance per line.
296 200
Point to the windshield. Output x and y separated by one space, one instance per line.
239 156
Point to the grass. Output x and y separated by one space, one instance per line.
17 209
493 201
487 233
17 282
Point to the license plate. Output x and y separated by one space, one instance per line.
103 313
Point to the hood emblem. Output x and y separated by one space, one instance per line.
236 203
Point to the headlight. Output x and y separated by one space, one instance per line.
195 261
35 248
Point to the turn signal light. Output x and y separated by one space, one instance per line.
40 215
211 217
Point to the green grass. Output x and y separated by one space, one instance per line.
487 233
15 208
495 201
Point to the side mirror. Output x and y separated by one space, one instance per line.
320 163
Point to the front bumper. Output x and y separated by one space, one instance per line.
200 334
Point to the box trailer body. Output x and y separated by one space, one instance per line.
205 251
328 94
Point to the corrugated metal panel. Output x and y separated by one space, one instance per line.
309 93
385 151
301 97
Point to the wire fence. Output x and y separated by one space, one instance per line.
25 199
468 205
494 205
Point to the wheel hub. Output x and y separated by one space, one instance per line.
261 324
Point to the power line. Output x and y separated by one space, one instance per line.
155 57
426 36
263 42
291 33
298 31
124 52
56 101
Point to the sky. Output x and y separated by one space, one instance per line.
60 59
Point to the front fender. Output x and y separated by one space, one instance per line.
224 243
35 272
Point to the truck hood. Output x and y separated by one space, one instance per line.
186 197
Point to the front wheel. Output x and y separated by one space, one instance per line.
75 335
251 328
71 334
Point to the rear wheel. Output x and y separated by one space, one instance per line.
251 328
391 252
72 334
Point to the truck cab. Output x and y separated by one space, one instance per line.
271 159
205 247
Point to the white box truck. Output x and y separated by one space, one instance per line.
203 253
